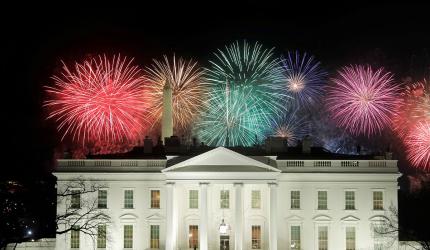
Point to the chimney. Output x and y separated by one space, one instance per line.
306 145
388 153
167 115
147 145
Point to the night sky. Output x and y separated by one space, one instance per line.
396 36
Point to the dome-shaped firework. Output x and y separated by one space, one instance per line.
189 89
362 100
305 78
290 126
252 78
418 145
100 99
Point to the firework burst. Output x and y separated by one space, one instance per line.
304 77
190 90
418 145
362 100
100 99
290 126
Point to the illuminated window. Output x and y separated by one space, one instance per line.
349 200
128 198
75 199
256 199
74 237
155 236
295 199
322 200
128 236
102 199
350 238
224 199
101 236
378 201
194 199
155 198
295 237
322 238
256 237
193 236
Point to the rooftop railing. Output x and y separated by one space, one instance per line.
337 163
110 163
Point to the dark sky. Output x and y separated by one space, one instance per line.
37 38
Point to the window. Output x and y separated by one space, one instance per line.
101 236
378 246
155 236
102 199
74 237
350 238
378 201
225 199
322 200
256 199
322 237
155 198
128 198
193 236
194 199
128 236
76 199
295 237
256 237
349 200
295 199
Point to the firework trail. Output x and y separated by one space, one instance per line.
100 99
305 78
418 145
362 100
290 126
189 89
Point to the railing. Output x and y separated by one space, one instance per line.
111 163
337 163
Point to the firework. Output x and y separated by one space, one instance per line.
246 85
100 99
189 89
304 77
290 126
362 100
418 145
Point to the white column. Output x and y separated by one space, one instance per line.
238 217
171 217
203 209
273 232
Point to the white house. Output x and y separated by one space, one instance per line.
222 199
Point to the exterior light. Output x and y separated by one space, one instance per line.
223 228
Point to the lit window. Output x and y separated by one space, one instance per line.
76 199
349 200
102 199
256 199
322 238
128 198
350 238
193 236
295 237
155 236
295 199
322 200
74 237
155 198
225 199
256 237
128 236
378 201
194 199
101 236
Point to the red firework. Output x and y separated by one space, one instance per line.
100 99
362 100
418 145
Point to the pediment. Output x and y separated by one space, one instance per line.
221 159
128 217
294 218
322 218
378 218
350 218
155 217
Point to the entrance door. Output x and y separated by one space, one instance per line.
224 242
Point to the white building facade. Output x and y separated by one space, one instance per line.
222 199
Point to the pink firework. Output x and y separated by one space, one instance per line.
362 100
418 145
100 99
